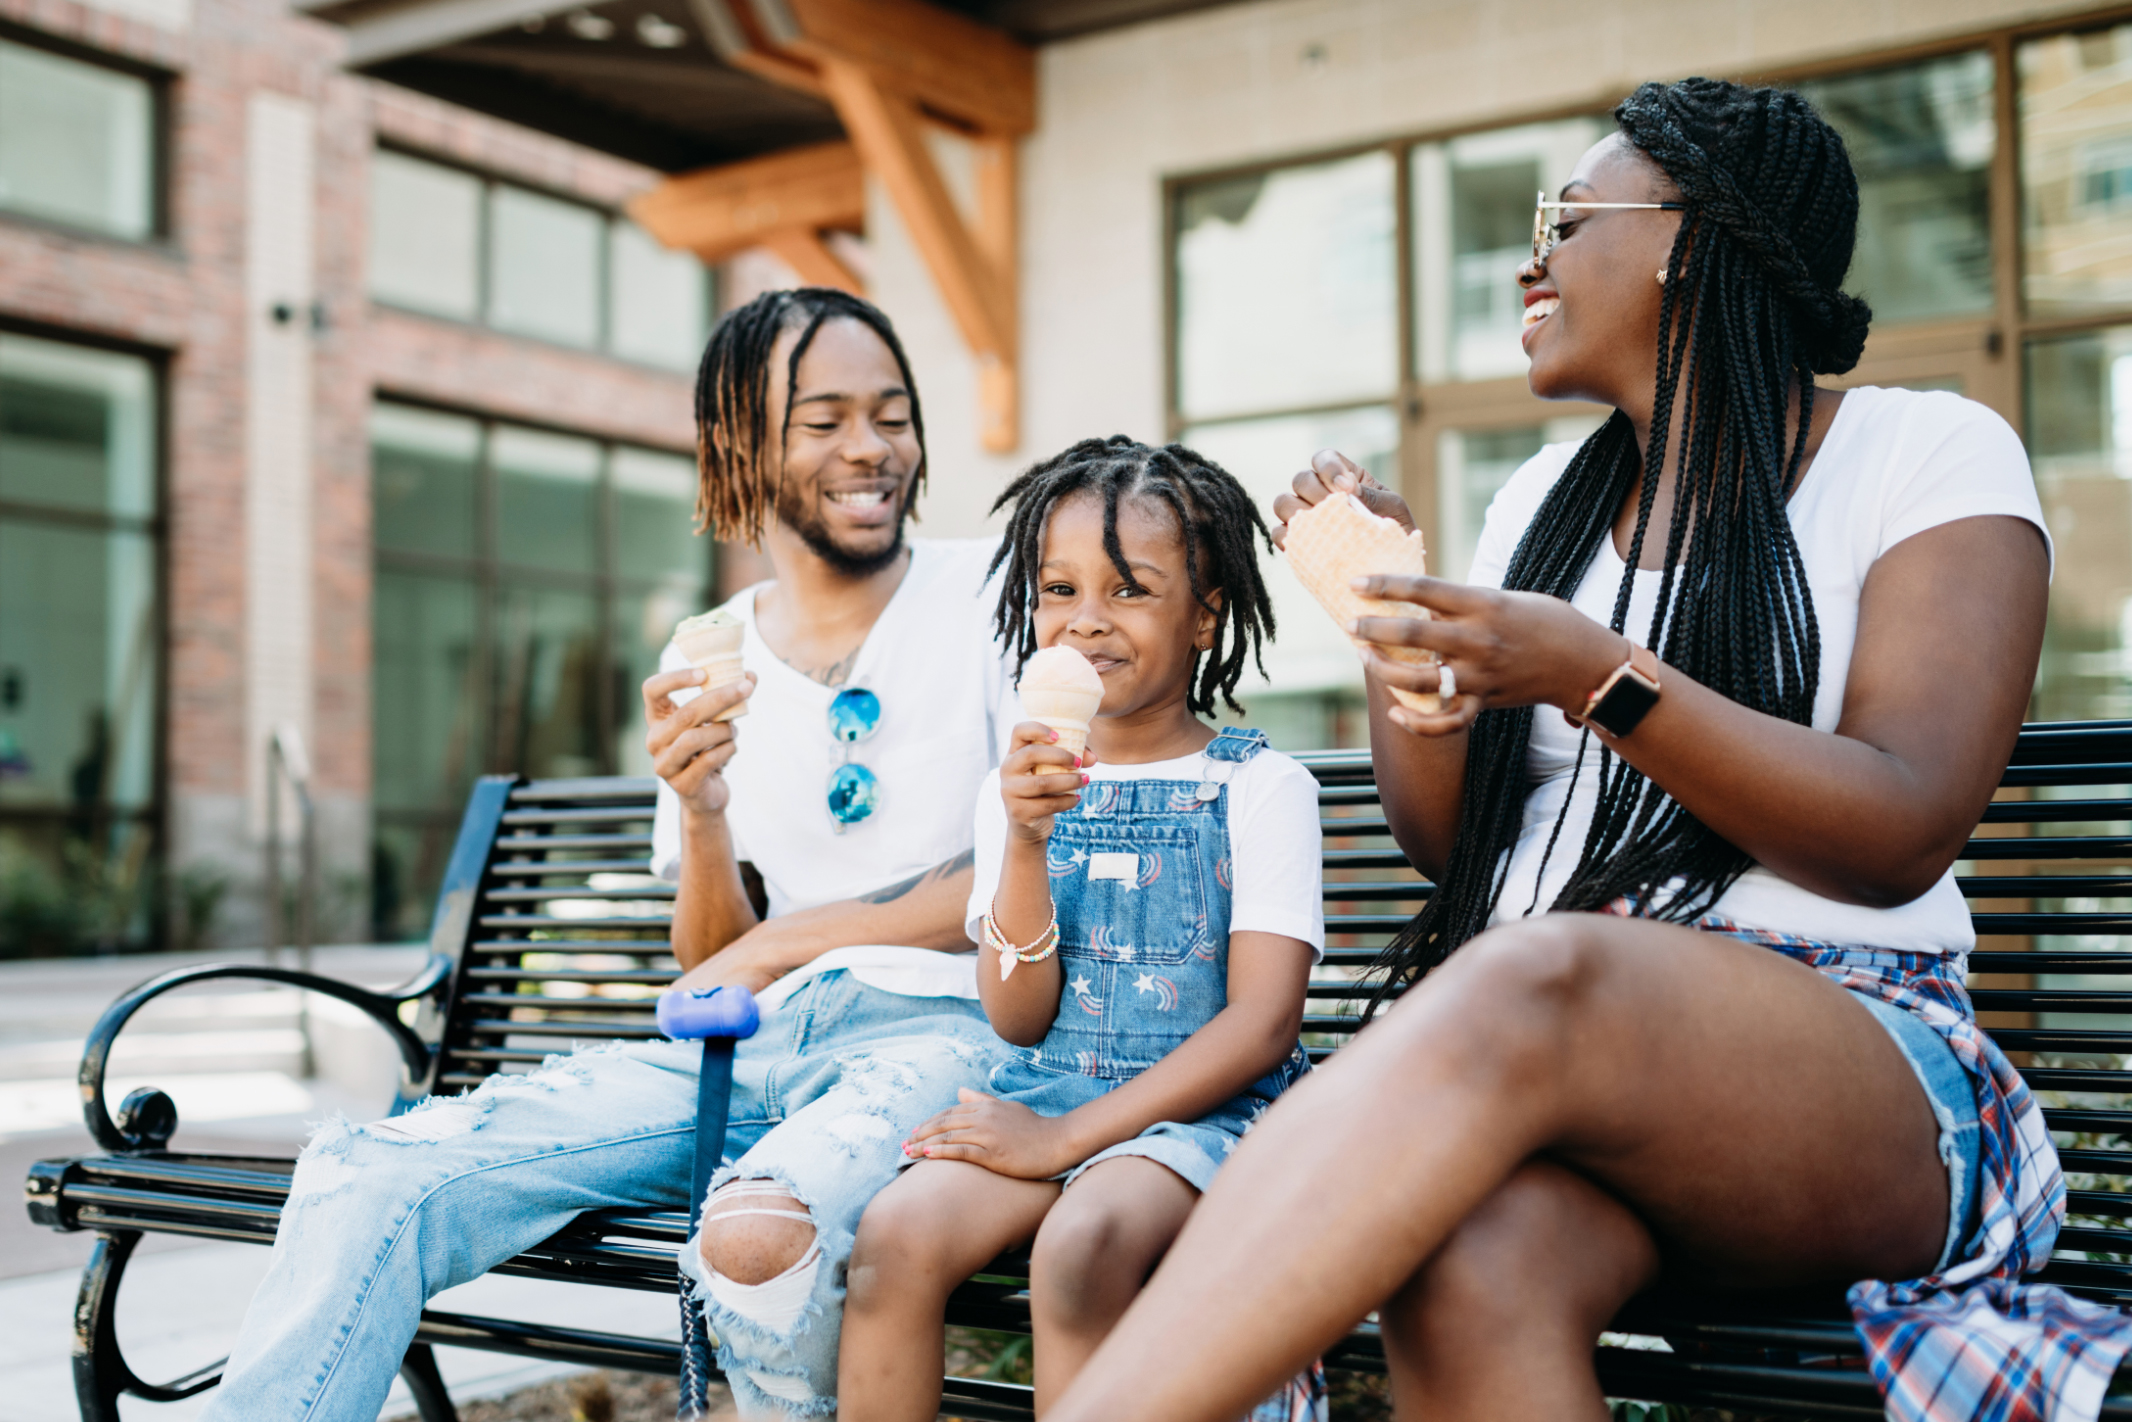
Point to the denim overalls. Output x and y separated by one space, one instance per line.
1140 879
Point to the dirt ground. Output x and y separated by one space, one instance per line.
591 1397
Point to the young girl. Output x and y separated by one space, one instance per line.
1157 905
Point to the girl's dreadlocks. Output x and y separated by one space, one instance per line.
1214 514
737 477
1753 308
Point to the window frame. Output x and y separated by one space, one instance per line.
161 141
152 819
490 575
484 276
1984 351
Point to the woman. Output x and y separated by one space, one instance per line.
1704 1014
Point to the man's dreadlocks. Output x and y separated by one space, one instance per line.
1213 513
737 480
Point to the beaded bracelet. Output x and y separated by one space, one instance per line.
1046 944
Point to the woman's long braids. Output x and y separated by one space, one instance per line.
1753 309
1215 515
737 473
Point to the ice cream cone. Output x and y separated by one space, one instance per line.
1338 540
711 641
1061 689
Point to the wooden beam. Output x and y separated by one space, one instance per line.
812 260
965 72
999 390
737 37
715 212
888 66
890 137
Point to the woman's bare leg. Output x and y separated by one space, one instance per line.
1502 1320
1760 1122
1093 1254
938 1224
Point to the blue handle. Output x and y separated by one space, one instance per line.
720 1017
686 1014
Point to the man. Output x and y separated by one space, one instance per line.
833 819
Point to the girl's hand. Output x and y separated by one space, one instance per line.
688 748
1503 648
1005 1137
1039 779
1332 472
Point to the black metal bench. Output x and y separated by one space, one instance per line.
548 931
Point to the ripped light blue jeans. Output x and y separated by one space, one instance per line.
383 1216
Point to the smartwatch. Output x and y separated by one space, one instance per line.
1625 697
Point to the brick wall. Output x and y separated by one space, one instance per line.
183 297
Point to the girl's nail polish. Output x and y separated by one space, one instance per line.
1084 780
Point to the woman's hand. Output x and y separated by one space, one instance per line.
688 748
1005 1137
1332 472
1503 649
1039 779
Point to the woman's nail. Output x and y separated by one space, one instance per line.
1344 482
1352 627
1359 584
1084 780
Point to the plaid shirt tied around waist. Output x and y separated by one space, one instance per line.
1973 1343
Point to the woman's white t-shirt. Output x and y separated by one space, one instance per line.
946 709
1894 463
1274 843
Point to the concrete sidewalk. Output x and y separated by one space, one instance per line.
232 1055
179 1309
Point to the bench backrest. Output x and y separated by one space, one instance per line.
561 936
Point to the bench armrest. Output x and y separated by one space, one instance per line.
148 1129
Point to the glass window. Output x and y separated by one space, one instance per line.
1286 288
548 681
547 500
425 236
1921 139
80 633
425 678
2080 441
655 515
77 142
662 301
511 631
544 267
1471 466
2076 171
1472 228
424 468
1311 654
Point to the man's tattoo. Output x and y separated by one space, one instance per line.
837 671
946 868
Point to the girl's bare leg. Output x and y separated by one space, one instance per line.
938 1224
1758 1121
1093 1254
1502 1320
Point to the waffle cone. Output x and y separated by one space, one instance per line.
1332 543
712 642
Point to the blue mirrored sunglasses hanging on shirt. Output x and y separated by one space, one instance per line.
854 791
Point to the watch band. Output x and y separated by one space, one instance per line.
1626 696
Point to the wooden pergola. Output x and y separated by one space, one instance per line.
769 114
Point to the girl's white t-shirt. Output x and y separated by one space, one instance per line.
946 709
1894 463
1274 843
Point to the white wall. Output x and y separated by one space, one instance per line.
1121 110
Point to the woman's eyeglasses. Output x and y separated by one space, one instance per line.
1545 234
854 791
